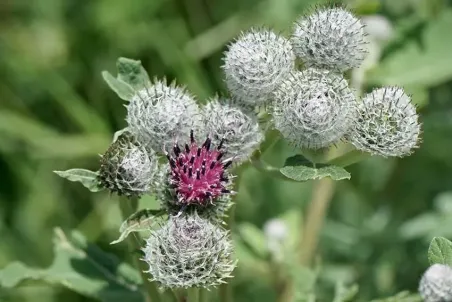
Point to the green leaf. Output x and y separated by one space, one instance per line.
132 72
143 220
344 293
122 89
423 61
86 177
250 265
82 268
301 169
304 281
254 238
404 296
293 221
440 251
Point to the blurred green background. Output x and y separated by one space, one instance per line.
57 113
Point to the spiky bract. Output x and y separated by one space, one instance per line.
127 167
189 251
256 63
330 38
162 113
314 108
387 123
239 130
436 284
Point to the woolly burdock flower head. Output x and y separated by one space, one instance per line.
330 38
166 193
161 113
127 167
436 284
387 123
239 130
198 172
256 63
314 108
189 251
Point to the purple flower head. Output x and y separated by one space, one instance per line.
198 173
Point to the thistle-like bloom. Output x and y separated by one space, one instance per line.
256 63
198 173
189 251
239 130
387 123
166 193
436 284
127 167
314 108
159 114
330 38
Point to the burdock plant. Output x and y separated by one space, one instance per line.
190 157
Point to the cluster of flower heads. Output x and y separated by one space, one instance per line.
315 107
181 153
312 108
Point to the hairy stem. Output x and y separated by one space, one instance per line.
193 294
129 207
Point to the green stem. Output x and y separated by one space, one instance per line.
272 137
179 293
193 294
129 207
266 168
169 296
349 158
203 295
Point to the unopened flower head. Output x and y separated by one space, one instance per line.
387 123
189 251
256 63
127 167
330 38
436 284
198 172
161 113
239 130
314 108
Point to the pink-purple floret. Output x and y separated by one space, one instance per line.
198 172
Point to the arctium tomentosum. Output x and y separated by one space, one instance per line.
198 173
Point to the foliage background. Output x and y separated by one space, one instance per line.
56 113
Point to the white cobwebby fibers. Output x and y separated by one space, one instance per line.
314 108
160 114
330 38
256 63
387 123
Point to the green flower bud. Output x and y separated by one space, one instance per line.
128 168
